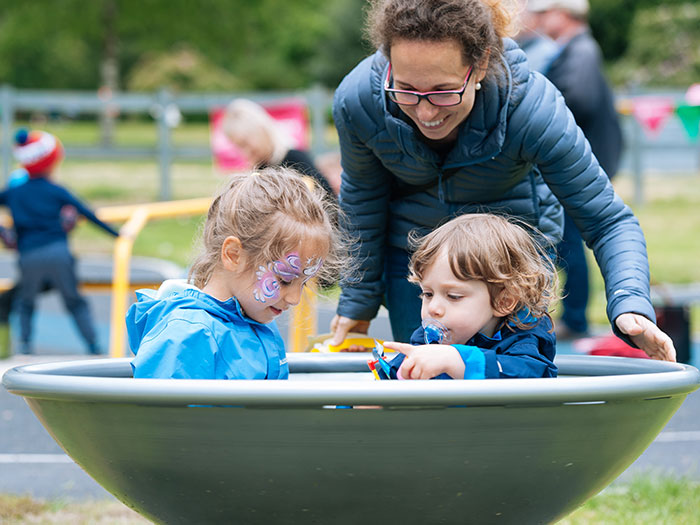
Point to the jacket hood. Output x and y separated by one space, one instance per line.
154 305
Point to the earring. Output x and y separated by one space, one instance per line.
477 86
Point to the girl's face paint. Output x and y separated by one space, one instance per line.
267 287
286 270
313 265
289 268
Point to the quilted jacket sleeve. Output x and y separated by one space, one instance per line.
551 140
364 197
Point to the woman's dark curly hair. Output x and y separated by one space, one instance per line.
477 25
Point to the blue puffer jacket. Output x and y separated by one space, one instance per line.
518 152
180 332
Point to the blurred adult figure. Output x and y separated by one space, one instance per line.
263 142
446 119
540 49
577 71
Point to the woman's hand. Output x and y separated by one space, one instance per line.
427 361
341 326
647 336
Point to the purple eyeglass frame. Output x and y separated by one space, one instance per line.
427 94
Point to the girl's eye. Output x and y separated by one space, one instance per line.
453 297
425 295
285 283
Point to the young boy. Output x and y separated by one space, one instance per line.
486 287
38 207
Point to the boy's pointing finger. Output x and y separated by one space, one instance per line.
404 348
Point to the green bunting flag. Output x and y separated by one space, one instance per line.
690 117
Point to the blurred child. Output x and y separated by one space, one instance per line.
265 236
263 142
39 207
486 286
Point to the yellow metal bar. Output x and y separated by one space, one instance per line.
120 277
136 215
302 322
156 210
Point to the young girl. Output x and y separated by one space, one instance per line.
486 286
265 236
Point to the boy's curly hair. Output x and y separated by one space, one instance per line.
498 251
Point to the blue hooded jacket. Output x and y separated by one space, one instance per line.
519 152
512 352
180 332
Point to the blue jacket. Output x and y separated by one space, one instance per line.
511 352
181 332
36 212
519 152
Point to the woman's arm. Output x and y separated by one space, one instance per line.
551 140
364 199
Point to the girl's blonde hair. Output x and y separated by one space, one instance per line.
271 211
499 252
242 114
477 25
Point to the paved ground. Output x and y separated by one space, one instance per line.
32 463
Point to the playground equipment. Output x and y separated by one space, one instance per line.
205 451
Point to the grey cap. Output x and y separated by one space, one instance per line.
576 7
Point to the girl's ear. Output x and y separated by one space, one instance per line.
231 253
505 303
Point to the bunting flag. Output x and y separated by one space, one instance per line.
652 113
690 117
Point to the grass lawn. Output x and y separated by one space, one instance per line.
645 500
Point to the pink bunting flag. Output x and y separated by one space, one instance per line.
290 114
652 113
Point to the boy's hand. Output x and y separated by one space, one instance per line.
427 361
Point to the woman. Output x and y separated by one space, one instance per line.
260 139
445 119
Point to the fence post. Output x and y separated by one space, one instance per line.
317 105
164 145
637 168
8 115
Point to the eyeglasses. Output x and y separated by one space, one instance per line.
436 98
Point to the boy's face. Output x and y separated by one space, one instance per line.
464 307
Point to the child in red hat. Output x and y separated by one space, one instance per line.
38 208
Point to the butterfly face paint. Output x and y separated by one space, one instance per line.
285 270
313 265
267 287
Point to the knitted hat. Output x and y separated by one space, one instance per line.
37 151
576 7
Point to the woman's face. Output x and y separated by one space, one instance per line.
434 66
